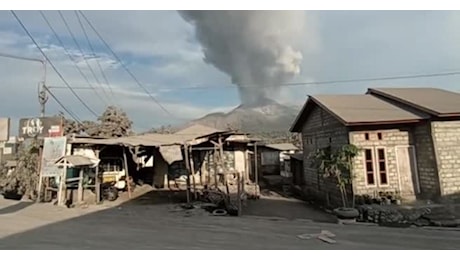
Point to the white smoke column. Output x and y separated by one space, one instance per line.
257 49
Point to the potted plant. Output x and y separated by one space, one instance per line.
337 164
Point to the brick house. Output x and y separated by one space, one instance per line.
409 140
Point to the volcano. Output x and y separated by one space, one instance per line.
265 115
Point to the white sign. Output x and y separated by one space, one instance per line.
53 149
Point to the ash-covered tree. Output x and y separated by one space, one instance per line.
24 179
113 122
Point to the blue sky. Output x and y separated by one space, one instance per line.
160 48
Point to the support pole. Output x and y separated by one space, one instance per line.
215 167
40 178
125 164
80 186
61 193
239 193
192 167
97 180
256 166
187 166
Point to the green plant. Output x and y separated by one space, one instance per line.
337 164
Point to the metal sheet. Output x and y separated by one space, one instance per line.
53 149
171 153
4 129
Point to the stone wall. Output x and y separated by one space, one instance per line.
446 139
426 161
390 138
320 130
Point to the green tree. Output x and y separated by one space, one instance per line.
336 164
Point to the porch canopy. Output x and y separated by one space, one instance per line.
75 161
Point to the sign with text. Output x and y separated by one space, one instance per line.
53 149
40 127
4 129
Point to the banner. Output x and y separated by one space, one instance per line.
40 127
4 129
53 149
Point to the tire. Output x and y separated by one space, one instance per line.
346 213
111 194
219 212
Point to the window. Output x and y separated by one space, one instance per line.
369 167
379 136
375 163
382 166
366 136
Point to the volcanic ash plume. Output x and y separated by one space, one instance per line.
257 49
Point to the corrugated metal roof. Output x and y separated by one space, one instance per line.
363 109
181 137
431 100
297 156
77 161
282 146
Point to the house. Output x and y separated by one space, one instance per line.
408 140
274 158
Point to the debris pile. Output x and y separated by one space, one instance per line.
405 217
324 235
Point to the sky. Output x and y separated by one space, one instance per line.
161 50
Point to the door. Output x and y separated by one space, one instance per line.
407 171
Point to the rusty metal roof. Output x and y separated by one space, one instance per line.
282 147
186 135
434 101
355 110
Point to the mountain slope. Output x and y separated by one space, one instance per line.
264 116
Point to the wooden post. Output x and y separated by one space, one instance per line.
256 166
125 164
192 167
80 186
61 192
187 166
239 193
221 162
40 178
97 180
215 167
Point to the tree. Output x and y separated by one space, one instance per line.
162 130
113 122
336 164
24 179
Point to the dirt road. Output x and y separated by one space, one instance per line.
134 226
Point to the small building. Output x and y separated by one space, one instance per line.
409 141
274 158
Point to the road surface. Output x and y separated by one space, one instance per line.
162 226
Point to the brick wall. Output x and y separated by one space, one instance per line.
390 138
320 130
446 139
426 161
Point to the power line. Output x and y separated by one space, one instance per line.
124 66
74 116
49 61
70 55
81 51
94 53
